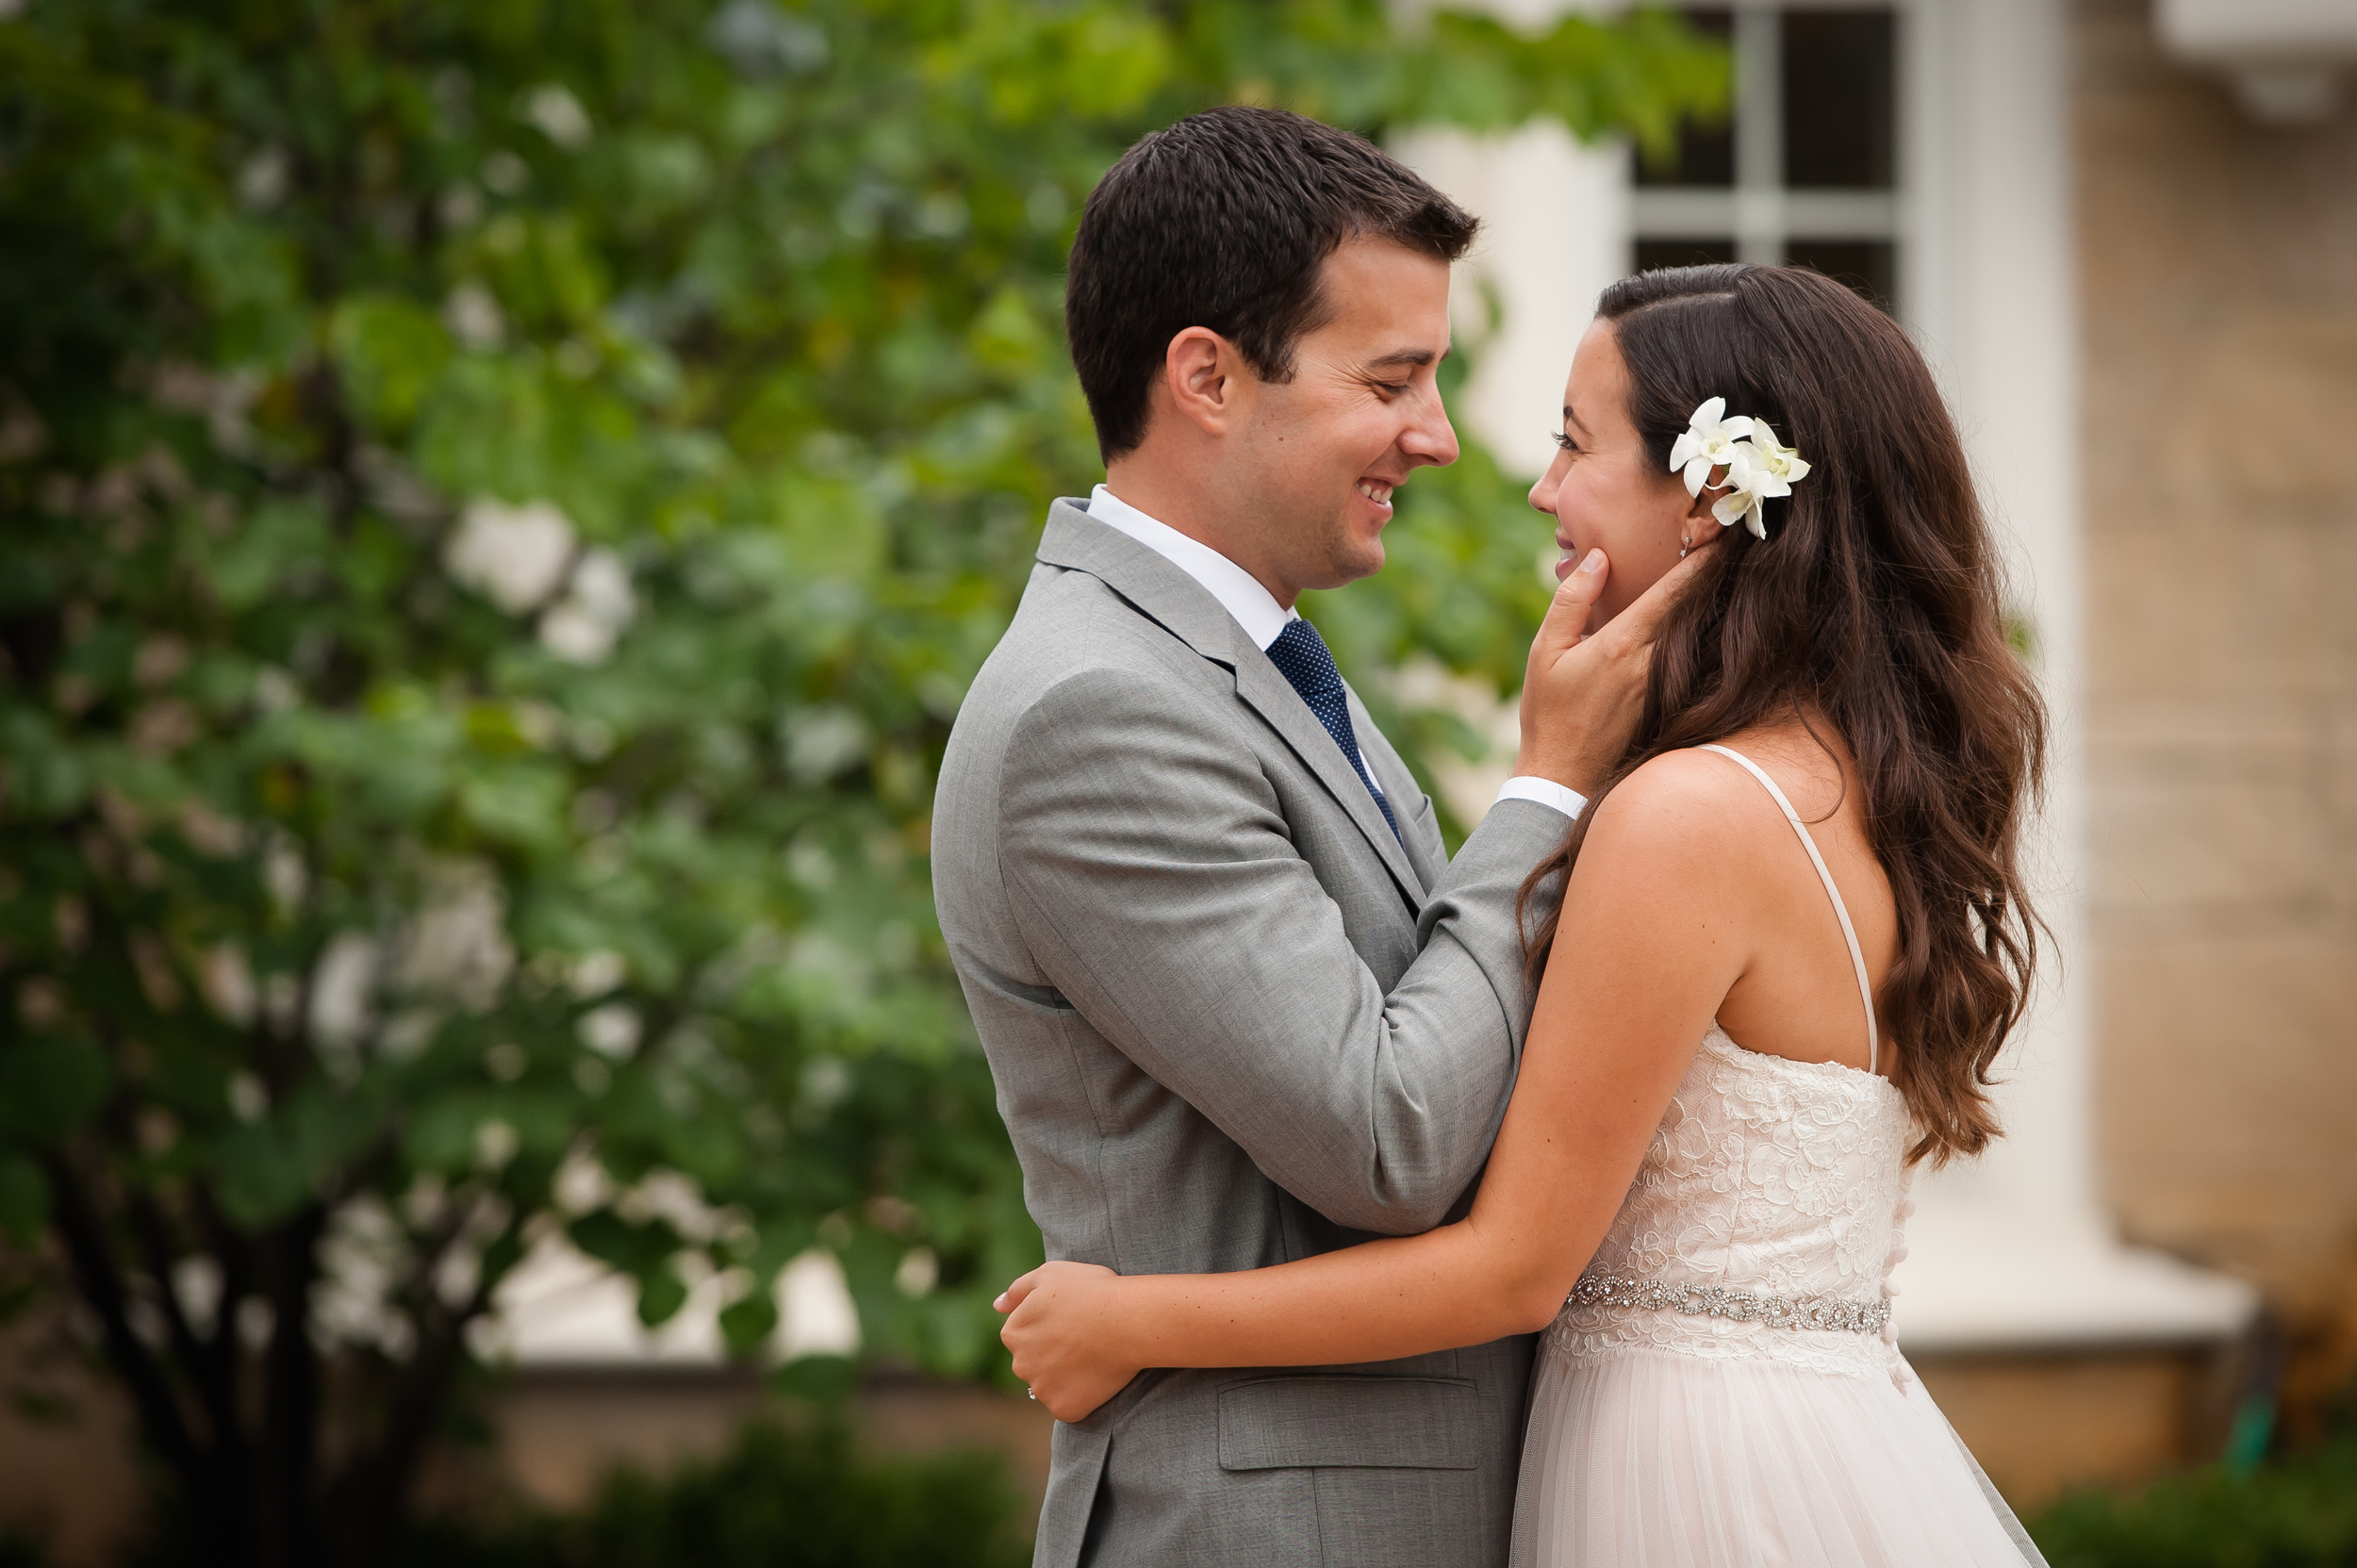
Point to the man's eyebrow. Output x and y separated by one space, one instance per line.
1406 357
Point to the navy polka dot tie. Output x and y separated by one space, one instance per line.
1300 657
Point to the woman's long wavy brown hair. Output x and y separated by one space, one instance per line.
1874 602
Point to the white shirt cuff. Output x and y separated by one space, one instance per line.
1547 792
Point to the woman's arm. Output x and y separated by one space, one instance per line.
1652 935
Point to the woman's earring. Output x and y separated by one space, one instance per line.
1684 544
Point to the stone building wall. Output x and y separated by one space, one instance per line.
2218 291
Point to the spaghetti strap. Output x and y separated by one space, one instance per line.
1841 912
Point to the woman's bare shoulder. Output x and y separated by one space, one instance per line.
1687 807
1675 785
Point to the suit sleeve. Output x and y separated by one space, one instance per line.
1156 883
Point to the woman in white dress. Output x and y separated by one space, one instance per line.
1792 939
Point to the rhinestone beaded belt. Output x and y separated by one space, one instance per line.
1777 1311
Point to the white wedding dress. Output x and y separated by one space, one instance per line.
1723 1389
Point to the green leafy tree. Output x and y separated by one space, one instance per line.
499 504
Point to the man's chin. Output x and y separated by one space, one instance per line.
1350 555
1357 558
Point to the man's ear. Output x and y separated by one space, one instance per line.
1202 376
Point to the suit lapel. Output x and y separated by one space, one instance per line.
1166 595
1154 586
1273 698
1398 781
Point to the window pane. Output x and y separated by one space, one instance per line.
1704 155
1655 253
1840 75
1869 266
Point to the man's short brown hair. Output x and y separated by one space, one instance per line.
1223 220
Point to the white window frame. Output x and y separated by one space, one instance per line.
1759 211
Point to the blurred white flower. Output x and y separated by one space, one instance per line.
818 1318
274 690
263 179
597 973
581 1183
495 1144
583 627
361 1260
918 1273
248 1100
284 873
602 584
667 1195
229 984
512 556
458 946
822 742
574 636
611 1031
196 1284
474 316
342 985
558 114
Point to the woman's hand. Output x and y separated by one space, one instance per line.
1063 1326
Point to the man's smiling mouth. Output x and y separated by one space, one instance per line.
1376 491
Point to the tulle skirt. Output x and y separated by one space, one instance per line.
1650 1459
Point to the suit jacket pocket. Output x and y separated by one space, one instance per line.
1384 1423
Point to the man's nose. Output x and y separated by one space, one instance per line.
1430 438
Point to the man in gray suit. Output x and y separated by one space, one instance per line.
1240 1005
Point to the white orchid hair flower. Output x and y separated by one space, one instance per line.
1744 505
1758 467
1709 443
1783 462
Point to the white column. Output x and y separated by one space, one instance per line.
2019 1248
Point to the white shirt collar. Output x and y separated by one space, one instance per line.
1238 591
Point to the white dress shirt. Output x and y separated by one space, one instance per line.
1256 610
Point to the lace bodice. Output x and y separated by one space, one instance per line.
1783 1177
1782 1181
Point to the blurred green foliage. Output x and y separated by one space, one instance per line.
499 504
779 1498
2299 1511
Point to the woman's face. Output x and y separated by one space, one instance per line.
1604 489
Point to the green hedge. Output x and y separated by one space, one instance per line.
779 1498
2299 1513
805 1494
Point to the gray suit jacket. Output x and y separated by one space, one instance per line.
1232 1022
